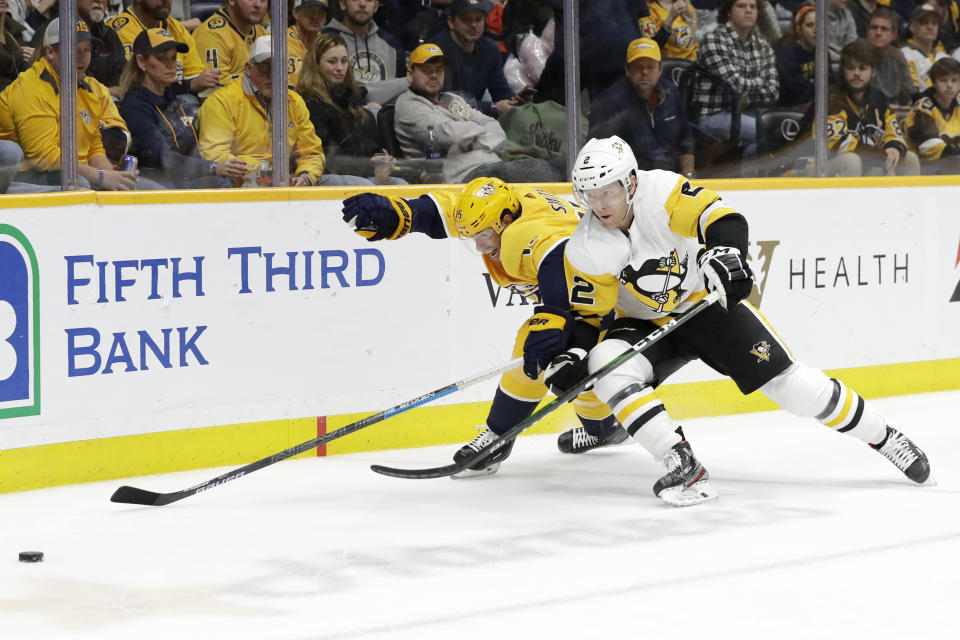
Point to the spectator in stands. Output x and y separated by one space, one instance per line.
469 139
949 24
933 126
335 101
922 48
647 112
109 56
224 39
376 56
164 127
796 66
12 60
149 14
673 25
19 10
234 123
309 16
891 75
841 31
30 117
476 67
860 11
736 53
863 134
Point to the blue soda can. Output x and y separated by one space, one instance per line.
128 163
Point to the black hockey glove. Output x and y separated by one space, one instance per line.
722 269
549 330
378 217
566 370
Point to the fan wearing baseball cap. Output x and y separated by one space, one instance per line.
309 16
164 129
923 48
34 123
234 122
646 112
155 14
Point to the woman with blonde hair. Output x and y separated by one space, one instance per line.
335 101
162 118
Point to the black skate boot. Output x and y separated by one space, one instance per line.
579 441
686 481
486 465
900 450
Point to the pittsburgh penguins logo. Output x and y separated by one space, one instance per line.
762 351
657 282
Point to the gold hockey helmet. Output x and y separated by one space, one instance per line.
482 205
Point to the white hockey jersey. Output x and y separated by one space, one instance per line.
656 264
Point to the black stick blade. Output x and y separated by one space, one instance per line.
418 474
132 495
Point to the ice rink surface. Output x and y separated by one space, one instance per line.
814 536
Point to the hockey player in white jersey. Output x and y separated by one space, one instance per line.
667 243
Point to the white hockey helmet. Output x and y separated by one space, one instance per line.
603 161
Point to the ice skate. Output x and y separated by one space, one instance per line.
579 441
487 465
686 482
901 451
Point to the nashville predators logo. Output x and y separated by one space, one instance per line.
85 116
762 351
215 22
657 282
119 22
486 190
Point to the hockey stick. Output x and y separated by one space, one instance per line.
132 495
499 441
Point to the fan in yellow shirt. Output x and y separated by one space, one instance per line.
234 122
309 17
224 39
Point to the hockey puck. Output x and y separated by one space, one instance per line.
31 556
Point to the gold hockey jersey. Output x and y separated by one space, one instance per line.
128 27
545 223
654 268
222 45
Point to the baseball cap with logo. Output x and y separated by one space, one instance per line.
261 49
297 4
643 48
425 53
52 34
157 41
459 6
922 10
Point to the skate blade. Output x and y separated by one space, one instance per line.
477 473
697 493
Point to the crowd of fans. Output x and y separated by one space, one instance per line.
397 91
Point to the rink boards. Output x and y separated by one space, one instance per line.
144 333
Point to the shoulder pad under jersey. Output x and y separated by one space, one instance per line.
596 250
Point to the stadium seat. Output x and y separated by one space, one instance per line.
388 135
776 128
674 69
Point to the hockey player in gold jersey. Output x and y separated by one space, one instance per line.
659 243
522 233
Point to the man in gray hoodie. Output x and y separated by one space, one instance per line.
472 142
376 56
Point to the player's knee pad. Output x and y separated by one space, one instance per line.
801 389
636 370
516 384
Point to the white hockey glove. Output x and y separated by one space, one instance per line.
722 269
566 370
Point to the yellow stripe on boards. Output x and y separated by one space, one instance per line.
236 445
126 456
